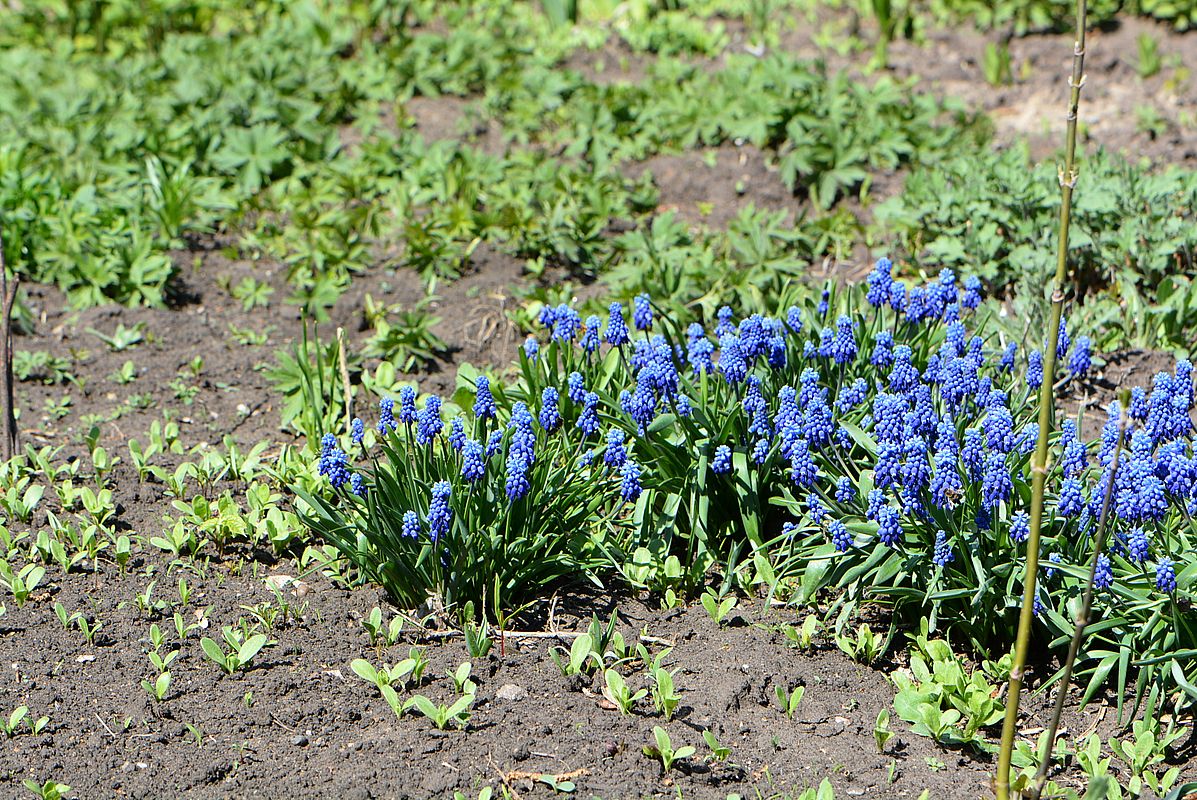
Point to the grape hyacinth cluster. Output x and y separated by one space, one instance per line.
889 433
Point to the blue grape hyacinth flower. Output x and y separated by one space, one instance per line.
642 312
1104 574
386 415
411 525
841 537
1082 357
407 405
473 461
1034 370
889 529
429 423
629 481
880 282
484 401
576 387
516 484
550 415
440 515
591 338
1165 576
721 463
843 346
943 554
617 328
616 452
457 434
1020 527
588 420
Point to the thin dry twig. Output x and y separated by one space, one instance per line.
8 295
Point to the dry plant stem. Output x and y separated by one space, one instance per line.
1082 618
8 294
1068 178
344 365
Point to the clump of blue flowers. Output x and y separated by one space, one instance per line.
874 450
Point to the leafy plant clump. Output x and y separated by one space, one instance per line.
875 443
993 214
1023 16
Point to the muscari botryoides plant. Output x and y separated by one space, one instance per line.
870 445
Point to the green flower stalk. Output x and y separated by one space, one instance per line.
1068 179
1082 619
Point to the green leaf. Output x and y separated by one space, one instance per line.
212 650
364 670
424 706
250 648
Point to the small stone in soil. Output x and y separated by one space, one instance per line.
511 692
300 741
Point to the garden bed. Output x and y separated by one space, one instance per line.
298 722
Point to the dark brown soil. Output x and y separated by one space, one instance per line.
299 723
711 187
234 396
1032 105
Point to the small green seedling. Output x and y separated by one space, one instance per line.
384 675
663 749
240 652
665 699
485 793
824 792
618 693
1150 62
381 633
159 688
122 552
461 679
718 751
50 790
789 700
716 608
802 637
21 583
441 715
1147 747
865 648
478 639
881 732
557 784
88 629
419 663
182 628
61 612
581 658
21 715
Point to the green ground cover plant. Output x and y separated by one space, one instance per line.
993 214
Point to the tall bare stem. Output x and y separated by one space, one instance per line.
1082 618
8 294
1068 179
